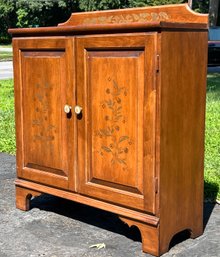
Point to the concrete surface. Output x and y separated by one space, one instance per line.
6 70
59 228
5 49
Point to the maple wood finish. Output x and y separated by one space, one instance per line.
110 111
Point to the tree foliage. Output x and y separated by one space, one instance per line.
28 13
43 12
201 6
140 3
7 16
213 12
92 5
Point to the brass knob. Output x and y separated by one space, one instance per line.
78 109
67 108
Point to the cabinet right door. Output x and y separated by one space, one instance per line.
116 77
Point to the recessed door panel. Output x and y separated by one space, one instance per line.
112 91
43 113
115 104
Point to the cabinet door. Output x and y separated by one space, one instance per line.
116 130
45 133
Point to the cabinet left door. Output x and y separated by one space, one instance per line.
44 83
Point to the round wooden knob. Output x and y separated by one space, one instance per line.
78 109
67 108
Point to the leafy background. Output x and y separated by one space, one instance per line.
31 13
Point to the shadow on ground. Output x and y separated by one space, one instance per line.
103 219
85 214
210 189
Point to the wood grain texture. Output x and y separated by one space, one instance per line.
149 235
115 87
23 198
182 119
43 77
170 13
137 147
28 187
105 29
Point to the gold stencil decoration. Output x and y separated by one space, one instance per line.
118 146
43 131
128 18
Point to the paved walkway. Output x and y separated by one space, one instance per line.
56 227
6 71
5 49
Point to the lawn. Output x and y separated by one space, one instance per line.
5 56
6 45
212 140
7 130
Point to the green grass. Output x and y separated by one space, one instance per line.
6 45
5 56
7 124
212 140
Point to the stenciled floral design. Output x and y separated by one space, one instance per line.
45 132
128 18
118 146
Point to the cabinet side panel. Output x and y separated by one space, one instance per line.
183 91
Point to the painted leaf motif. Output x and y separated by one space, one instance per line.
107 149
113 161
122 161
118 113
115 85
104 132
109 102
123 138
114 105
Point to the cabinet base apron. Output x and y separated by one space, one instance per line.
147 224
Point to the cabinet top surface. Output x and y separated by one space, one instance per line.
177 16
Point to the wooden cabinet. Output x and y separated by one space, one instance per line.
110 113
